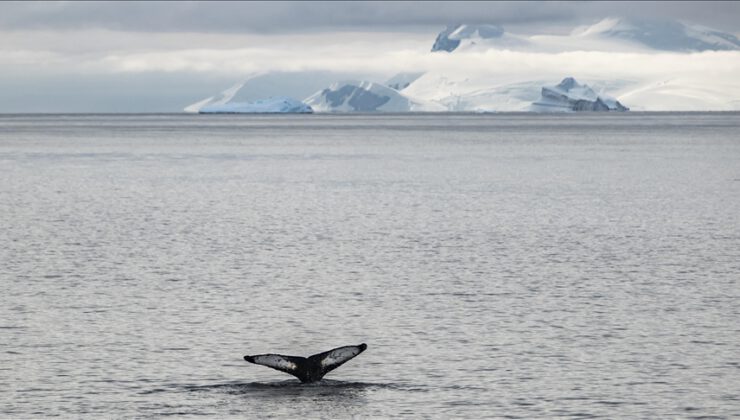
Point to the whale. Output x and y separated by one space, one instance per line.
308 369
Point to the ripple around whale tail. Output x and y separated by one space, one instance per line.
275 388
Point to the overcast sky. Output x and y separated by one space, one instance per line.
292 17
160 56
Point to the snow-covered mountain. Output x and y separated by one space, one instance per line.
660 35
645 64
273 105
364 96
649 65
569 96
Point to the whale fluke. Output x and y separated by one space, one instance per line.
312 368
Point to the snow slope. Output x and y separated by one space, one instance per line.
683 94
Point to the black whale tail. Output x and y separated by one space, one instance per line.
309 369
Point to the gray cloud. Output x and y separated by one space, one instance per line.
296 17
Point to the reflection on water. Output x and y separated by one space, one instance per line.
287 388
330 398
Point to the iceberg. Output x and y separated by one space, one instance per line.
571 96
274 105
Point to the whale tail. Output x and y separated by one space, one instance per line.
309 369
332 359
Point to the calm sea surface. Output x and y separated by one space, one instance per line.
496 265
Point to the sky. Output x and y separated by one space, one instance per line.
162 56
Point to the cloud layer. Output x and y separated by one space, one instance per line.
381 53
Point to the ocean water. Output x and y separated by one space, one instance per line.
514 266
